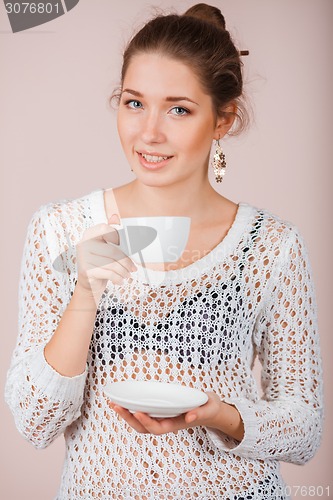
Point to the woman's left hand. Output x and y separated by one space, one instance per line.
207 415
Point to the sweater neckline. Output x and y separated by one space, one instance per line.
227 245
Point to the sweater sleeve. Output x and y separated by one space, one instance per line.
286 423
42 401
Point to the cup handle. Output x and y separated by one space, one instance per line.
117 227
124 243
125 235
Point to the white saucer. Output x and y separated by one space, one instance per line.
157 399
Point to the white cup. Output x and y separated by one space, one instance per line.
153 239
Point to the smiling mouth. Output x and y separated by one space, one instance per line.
154 158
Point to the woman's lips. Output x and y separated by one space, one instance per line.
153 165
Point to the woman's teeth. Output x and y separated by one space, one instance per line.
154 159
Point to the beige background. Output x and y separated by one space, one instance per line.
58 140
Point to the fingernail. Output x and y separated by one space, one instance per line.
191 418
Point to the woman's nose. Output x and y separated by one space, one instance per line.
152 129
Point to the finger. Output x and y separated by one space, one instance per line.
104 264
147 422
205 411
161 426
124 269
195 417
103 274
96 231
98 248
197 414
129 418
190 418
114 219
99 261
111 236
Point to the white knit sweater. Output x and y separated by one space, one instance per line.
201 326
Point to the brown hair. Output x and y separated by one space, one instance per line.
199 39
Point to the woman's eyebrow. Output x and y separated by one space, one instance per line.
168 99
176 99
134 92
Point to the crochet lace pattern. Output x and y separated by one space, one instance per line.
201 326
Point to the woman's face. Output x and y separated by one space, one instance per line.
166 122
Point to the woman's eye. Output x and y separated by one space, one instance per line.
179 111
133 104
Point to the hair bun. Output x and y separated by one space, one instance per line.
207 13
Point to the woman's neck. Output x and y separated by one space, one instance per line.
142 200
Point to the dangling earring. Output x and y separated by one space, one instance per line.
219 164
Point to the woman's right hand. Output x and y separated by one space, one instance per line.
100 259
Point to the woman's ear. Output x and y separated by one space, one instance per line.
225 121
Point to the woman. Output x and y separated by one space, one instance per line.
241 288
